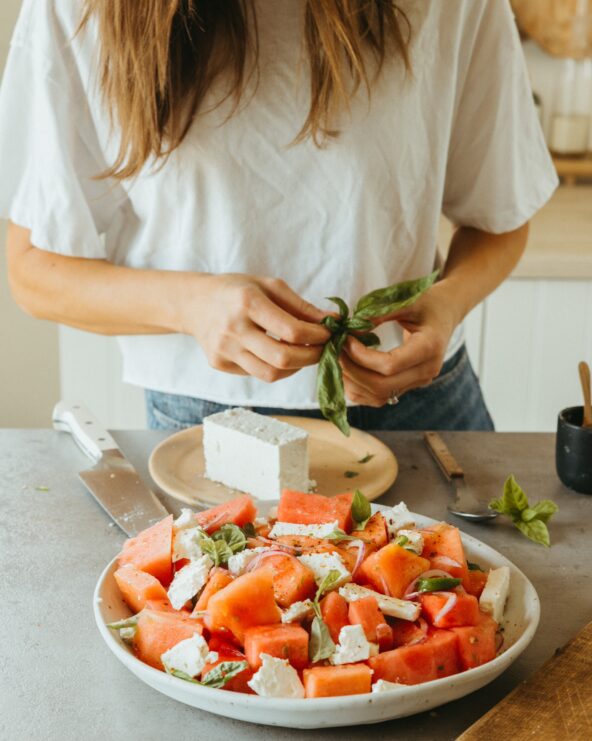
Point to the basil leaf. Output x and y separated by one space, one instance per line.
343 307
332 324
474 566
437 583
387 300
536 530
321 644
330 391
360 510
401 540
222 673
218 550
544 509
130 622
369 339
233 536
181 675
337 536
249 530
351 474
366 458
356 324
513 500
328 582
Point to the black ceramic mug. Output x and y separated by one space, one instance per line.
573 450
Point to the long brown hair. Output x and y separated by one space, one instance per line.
159 58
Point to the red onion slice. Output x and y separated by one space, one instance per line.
446 561
451 600
361 554
275 544
423 626
255 562
387 591
410 592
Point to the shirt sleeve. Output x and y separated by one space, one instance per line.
499 171
48 182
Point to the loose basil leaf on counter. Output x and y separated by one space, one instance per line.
379 303
223 673
361 511
321 644
531 521
387 300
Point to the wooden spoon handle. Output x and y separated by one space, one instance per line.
443 456
584 370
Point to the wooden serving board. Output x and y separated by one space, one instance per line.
555 703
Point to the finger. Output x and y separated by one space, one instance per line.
384 386
279 354
226 366
273 319
408 355
261 370
359 395
287 299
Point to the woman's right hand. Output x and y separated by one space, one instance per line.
253 326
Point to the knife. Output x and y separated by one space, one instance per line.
468 503
113 481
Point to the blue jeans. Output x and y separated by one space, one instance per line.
453 401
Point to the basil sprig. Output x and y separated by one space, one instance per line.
321 644
437 583
376 304
531 521
222 544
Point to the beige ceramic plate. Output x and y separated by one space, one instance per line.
177 464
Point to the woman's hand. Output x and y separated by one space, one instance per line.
371 377
233 315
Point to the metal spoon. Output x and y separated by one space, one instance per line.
467 501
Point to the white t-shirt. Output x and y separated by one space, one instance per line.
458 135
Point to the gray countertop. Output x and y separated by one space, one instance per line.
59 681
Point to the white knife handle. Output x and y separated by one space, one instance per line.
76 419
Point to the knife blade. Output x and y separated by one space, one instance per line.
113 481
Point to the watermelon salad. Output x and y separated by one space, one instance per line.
321 598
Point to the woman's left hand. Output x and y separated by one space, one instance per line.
371 377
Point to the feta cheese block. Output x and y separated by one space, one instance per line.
185 544
398 518
189 581
189 656
322 563
391 606
276 678
312 531
383 685
495 593
254 453
353 646
185 519
238 562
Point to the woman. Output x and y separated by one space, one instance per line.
196 177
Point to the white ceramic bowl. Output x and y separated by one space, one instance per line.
520 622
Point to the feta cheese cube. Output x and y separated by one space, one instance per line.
189 581
185 519
238 562
322 563
188 656
397 518
353 646
254 453
312 531
495 593
276 678
414 540
185 544
298 611
391 606
383 685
